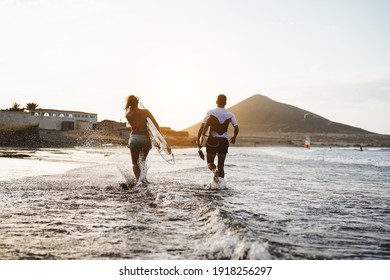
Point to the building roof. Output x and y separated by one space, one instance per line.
60 111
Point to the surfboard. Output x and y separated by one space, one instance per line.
202 143
158 141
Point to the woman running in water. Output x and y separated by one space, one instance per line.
139 141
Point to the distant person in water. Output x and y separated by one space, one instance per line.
139 141
217 144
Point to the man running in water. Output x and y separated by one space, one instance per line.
218 121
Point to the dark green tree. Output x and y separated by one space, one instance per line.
16 107
31 106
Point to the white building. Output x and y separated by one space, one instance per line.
51 119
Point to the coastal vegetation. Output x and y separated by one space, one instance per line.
16 107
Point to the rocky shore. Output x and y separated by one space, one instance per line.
30 136
20 136
317 140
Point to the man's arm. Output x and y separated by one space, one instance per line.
200 132
236 130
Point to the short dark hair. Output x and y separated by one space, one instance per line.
221 99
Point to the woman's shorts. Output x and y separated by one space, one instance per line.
137 141
218 145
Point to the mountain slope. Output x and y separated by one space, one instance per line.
259 114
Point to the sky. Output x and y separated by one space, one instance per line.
328 57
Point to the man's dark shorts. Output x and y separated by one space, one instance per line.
217 145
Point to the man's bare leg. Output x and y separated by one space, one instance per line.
211 165
221 165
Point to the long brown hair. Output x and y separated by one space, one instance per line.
131 102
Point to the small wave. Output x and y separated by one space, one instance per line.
228 238
218 184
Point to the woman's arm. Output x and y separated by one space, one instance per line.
148 114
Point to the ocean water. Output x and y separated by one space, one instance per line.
278 203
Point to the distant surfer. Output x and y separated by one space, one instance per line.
139 141
307 142
217 120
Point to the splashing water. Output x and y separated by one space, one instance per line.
144 167
274 203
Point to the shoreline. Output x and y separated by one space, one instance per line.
33 137
317 140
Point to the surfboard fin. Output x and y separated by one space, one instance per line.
201 154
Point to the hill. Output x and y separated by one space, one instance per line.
259 114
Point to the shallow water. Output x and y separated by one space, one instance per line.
280 203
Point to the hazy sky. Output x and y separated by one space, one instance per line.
328 57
